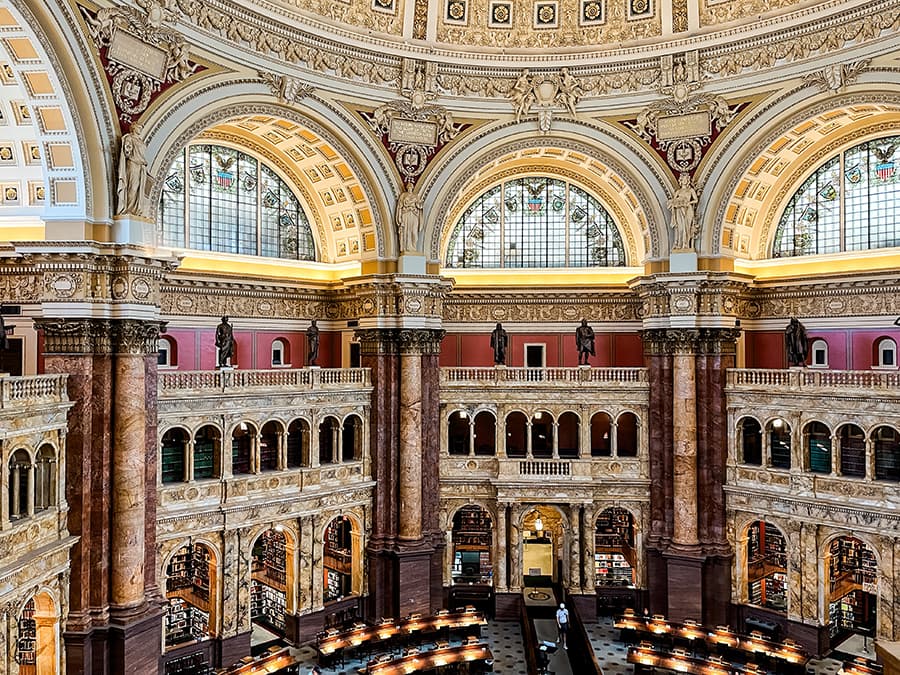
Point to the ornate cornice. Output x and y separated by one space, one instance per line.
355 53
533 307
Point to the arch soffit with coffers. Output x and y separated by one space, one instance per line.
779 125
444 186
59 103
217 102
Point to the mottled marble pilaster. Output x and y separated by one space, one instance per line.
318 564
588 570
305 581
230 583
684 477
515 549
500 548
810 587
575 548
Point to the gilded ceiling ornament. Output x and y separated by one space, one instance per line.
139 53
545 94
835 77
286 89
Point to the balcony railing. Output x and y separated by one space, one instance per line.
233 381
542 376
801 378
21 391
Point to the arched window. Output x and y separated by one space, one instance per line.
887 453
848 204
886 351
45 479
535 222
220 199
818 447
751 441
280 354
20 475
819 351
166 354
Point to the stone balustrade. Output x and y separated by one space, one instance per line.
542 470
502 376
800 379
27 391
175 383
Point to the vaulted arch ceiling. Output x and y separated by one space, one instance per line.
754 206
337 205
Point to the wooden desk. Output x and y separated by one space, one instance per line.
367 635
788 652
434 658
682 662
272 661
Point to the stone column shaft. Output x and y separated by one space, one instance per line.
305 582
685 451
410 522
575 548
500 548
589 572
127 522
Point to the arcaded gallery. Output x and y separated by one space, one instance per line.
449 337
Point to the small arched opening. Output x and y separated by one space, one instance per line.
190 595
766 566
472 539
615 556
485 433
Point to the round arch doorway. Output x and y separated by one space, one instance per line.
543 546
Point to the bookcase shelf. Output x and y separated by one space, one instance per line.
615 528
267 605
613 569
26 647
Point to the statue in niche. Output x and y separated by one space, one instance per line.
132 174
584 339
684 216
796 343
499 343
408 220
225 342
312 342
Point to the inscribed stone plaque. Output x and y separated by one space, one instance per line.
413 132
672 127
133 52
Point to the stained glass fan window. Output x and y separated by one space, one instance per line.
535 222
216 198
848 204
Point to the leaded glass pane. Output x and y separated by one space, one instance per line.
535 222
232 207
856 190
171 204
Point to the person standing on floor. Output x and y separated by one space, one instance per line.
562 622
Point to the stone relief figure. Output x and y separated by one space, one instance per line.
584 339
312 342
499 343
522 94
225 342
684 216
569 90
796 343
132 174
408 220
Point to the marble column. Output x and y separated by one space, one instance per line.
589 570
684 435
410 522
189 461
514 546
29 482
575 511
500 548
305 581
318 563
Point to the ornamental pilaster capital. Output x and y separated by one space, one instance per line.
690 341
420 341
75 336
135 337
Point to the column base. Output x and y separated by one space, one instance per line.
685 573
134 641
